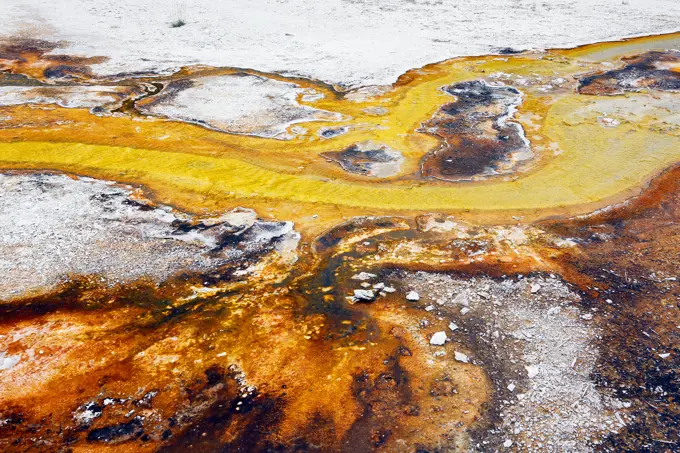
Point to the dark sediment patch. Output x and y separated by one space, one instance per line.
631 253
17 49
479 141
507 50
128 105
356 226
653 70
9 79
117 433
367 159
382 397
169 92
331 132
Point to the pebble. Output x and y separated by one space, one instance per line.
460 357
535 287
366 295
532 371
554 311
363 276
412 296
453 326
462 299
438 339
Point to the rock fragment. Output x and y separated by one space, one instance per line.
363 276
364 295
462 299
532 371
438 339
460 357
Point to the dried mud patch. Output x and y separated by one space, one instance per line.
240 104
55 226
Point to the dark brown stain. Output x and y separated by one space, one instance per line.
382 397
32 57
335 236
354 159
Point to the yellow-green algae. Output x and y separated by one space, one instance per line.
596 164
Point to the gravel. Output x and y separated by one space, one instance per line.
539 352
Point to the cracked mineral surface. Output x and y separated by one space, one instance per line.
297 227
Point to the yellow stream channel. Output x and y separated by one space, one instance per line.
580 163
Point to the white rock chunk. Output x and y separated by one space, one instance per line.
413 296
462 299
364 295
8 361
363 276
532 371
438 339
248 104
460 357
